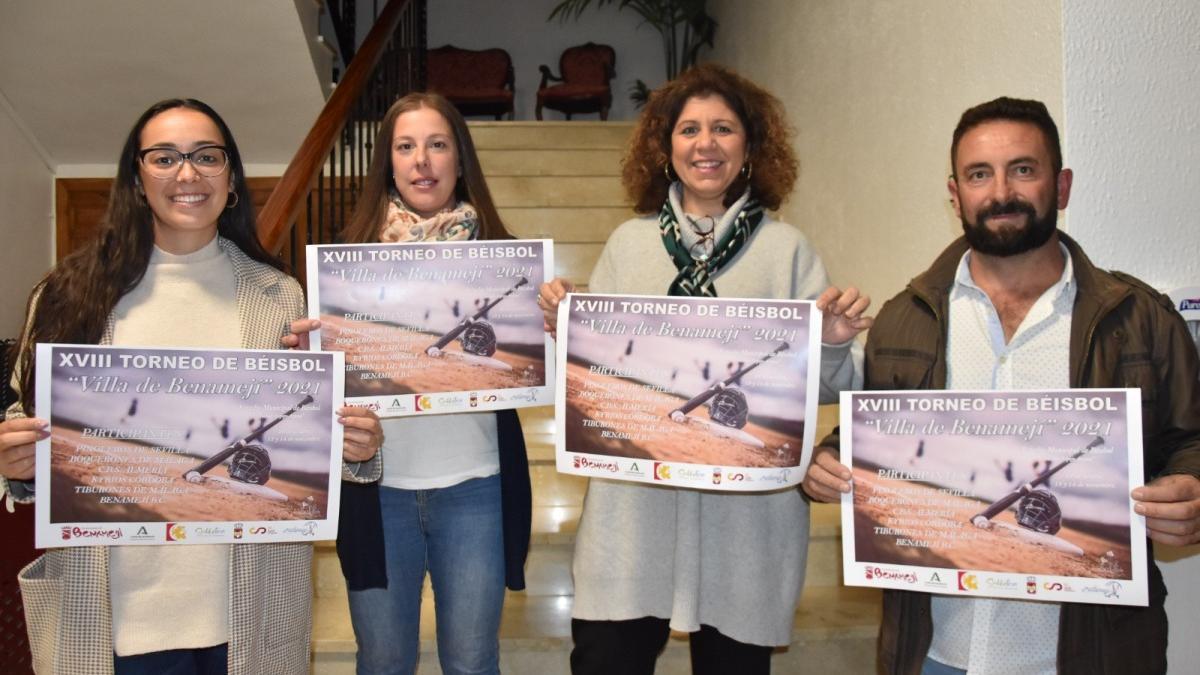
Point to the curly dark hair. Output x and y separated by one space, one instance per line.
768 138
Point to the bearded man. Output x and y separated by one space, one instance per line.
1015 304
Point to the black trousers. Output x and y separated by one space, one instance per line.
632 647
203 661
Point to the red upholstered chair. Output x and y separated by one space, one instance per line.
586 72
477 82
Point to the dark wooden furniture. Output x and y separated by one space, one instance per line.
586 72
477 82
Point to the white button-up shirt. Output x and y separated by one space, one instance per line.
986 636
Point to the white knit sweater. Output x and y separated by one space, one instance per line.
174 597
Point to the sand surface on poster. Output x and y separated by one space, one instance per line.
405 349
184 501
993 550
688 443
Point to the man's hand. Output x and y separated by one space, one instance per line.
298 339
1171 505
362 436
549 295
17 437
843 314
827 479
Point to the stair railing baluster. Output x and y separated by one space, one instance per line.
336 153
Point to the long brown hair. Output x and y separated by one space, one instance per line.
72 303
773 165
371 208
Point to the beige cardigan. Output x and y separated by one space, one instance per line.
65 591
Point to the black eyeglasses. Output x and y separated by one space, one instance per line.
209 161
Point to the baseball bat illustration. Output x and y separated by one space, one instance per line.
208 464
436 347
1007 500
697 400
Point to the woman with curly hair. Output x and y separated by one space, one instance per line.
709 155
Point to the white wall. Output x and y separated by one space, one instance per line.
26 218
521 29
874 90
1132 92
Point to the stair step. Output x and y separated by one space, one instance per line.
550 161
574 262
491 135
562 191
565 225
537 420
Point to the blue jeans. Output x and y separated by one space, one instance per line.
456 535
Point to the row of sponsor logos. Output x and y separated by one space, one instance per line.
675 473
428 402
971 582
189 531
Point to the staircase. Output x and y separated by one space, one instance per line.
557 180
560 180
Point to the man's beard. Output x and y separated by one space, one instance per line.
1009 241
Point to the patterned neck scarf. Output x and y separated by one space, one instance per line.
695 267
403 224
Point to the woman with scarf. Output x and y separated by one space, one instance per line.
178 232
454 501
709 155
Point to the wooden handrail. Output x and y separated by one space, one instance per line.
284 205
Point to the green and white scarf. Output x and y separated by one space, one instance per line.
733 231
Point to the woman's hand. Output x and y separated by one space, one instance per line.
843 314
17 437
363 434
298 339
549 295
827 479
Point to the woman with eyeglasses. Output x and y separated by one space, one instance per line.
710 154
176 263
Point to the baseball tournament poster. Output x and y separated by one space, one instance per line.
710 393
432 328
186 446
1007 494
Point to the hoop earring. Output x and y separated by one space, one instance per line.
667 173
236 199
747 170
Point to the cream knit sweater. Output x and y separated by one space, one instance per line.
174 597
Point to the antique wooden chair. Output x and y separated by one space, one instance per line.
586 72
477 82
